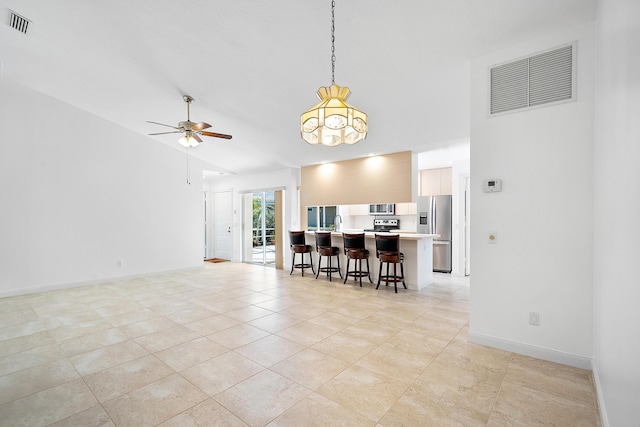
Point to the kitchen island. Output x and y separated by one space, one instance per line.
417 249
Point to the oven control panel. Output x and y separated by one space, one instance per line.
386 222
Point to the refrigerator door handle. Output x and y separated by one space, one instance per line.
431 215
435 218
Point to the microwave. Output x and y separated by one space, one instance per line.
382 209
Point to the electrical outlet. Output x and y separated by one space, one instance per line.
119 263
534 318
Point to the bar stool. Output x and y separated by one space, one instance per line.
324 248
299 246
354 250
388 251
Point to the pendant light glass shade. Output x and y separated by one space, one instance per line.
333 121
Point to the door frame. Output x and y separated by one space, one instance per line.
466 238
207 232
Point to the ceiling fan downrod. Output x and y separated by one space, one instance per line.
188 99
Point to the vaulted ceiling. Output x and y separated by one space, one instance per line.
254 66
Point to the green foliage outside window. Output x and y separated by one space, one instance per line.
270 212
270 219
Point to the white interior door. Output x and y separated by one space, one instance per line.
222 221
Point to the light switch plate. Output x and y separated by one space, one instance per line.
492 237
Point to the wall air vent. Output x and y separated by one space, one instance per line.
18 22
541 79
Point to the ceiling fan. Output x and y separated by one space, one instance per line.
191 130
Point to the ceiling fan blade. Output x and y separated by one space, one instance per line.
165 133
196 137
162 124
200 126
216 135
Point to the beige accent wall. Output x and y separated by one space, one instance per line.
387 178
378 179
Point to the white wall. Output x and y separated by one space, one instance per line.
446 155
287 179
616 347
543 258
80 193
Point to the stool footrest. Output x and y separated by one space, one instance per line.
358 273
391 278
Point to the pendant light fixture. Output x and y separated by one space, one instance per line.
333 121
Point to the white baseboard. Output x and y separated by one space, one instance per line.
59 286
596 380
532 350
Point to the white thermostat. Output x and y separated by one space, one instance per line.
492 185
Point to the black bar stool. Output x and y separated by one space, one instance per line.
324 248
354 250
299 246
388 251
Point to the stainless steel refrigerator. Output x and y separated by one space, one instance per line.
434 217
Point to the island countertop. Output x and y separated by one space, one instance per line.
371 234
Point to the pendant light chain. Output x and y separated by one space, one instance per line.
333 43
333 122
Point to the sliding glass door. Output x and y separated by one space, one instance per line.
263 218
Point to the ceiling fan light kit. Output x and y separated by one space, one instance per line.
188 141
333 121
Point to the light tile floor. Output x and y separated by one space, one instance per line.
239 344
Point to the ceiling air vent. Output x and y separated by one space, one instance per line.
18 22
542 79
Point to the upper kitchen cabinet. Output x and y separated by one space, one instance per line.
406 209
361 209
435 182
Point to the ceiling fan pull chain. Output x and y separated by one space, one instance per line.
188 168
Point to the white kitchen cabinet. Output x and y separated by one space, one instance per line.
406 209
445 181
430 182
435 182
353 210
